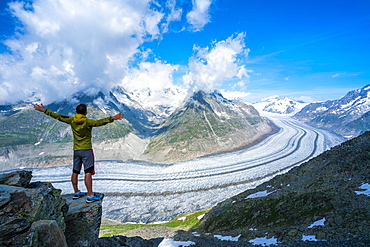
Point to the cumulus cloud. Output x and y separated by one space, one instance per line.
211 67
68 46
150 79
199 16
63 47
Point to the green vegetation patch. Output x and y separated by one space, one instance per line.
182 222
15 138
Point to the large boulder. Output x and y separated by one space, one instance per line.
47 233
20 178
83 222
22 207
35 214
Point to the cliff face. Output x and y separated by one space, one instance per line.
35 214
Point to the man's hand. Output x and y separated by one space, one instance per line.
39 107
119 116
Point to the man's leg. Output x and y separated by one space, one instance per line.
88 183
77 164
74 180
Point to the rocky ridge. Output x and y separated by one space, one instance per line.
348 116
325 199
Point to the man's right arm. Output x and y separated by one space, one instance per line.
57 116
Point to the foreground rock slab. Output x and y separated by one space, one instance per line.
82 221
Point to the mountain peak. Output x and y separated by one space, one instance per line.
276 104
346 116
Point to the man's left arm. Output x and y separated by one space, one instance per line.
104 121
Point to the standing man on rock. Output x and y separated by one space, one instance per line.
82 146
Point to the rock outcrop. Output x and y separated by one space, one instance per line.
82 221
35 214
325 200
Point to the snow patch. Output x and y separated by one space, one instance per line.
310 238
264 241
228 238
39 142
259 194
366 188
169 242
318 223
200 217
182 218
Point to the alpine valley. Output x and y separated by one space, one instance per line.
202 125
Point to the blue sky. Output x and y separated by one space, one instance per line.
308 50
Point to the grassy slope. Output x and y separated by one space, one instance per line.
120 229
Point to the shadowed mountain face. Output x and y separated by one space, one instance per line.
326 198
348 116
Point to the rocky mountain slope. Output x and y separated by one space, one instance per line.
348 116
207 123
325 200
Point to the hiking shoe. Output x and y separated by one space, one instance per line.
79 195
94 198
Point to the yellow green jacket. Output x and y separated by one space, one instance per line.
81 128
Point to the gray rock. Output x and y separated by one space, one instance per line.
128 242
20 178
47 233
4 198
83 222
40 201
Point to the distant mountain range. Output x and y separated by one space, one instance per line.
205 124
348 116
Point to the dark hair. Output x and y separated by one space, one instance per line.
81 109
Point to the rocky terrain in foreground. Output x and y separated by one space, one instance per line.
325 200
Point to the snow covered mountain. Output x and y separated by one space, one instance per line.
207 123
159 119
348 116
275 104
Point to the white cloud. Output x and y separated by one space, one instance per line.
68 46
151 79
210 67
198 17
337 75
234 94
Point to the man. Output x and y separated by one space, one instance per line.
82 146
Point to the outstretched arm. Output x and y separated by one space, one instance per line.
57 116
39 107
119 116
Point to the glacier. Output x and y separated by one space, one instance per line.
144 192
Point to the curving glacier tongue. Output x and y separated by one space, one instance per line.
146 192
